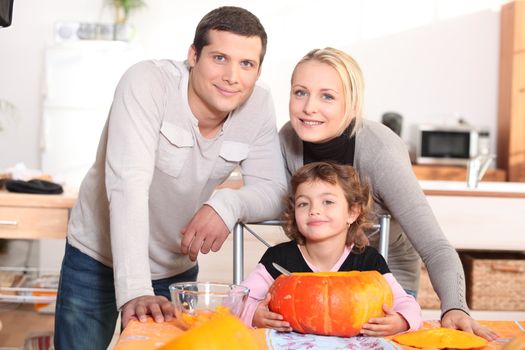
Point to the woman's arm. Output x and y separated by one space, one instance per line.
383 158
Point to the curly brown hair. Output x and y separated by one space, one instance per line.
357 194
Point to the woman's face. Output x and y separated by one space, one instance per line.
317 102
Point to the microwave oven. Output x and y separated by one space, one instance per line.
452 145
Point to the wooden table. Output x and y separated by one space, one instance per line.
151 335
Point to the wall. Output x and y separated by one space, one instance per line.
430 60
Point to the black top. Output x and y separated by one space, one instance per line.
289 256
340 150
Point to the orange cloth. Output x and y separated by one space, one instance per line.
150 335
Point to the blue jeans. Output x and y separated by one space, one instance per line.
86 310
412 292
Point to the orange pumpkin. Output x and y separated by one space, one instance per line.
330 303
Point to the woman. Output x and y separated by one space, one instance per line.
326 123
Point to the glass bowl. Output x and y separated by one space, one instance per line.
198 302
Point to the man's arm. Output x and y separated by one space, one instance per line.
261 197
133 133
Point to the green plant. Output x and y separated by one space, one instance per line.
123 9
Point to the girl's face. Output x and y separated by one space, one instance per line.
322 212
317 102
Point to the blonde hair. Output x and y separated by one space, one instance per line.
352 78
357 195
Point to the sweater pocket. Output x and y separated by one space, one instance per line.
230 156
175 146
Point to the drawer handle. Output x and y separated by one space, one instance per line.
507 268
8 223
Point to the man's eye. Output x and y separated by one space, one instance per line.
247 64
219 58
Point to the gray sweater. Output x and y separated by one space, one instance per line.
381 157
154 170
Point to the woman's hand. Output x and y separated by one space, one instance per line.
264 318
391 324
457 319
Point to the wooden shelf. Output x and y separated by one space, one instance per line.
34 216
21 320
453 173
511 108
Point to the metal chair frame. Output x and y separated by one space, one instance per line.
238 242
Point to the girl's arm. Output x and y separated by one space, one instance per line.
405 304
259 282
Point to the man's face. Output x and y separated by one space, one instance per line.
224 75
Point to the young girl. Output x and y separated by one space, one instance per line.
328 212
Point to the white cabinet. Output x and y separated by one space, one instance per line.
487 218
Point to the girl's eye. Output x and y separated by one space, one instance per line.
300 93
328 202
301 204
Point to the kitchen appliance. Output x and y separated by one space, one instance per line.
79 82
452 145
6 12
394 121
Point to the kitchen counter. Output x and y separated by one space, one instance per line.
484 189
486 218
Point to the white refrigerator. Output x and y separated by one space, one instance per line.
80 79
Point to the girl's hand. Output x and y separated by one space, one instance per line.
391 324
264 318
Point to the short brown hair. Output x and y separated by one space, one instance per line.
229 19
357 194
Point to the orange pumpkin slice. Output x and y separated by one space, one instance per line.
440 338
221 332
203 316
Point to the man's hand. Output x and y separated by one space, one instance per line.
206 231
457 319
391 324
264 318
158 307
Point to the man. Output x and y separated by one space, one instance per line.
147 206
